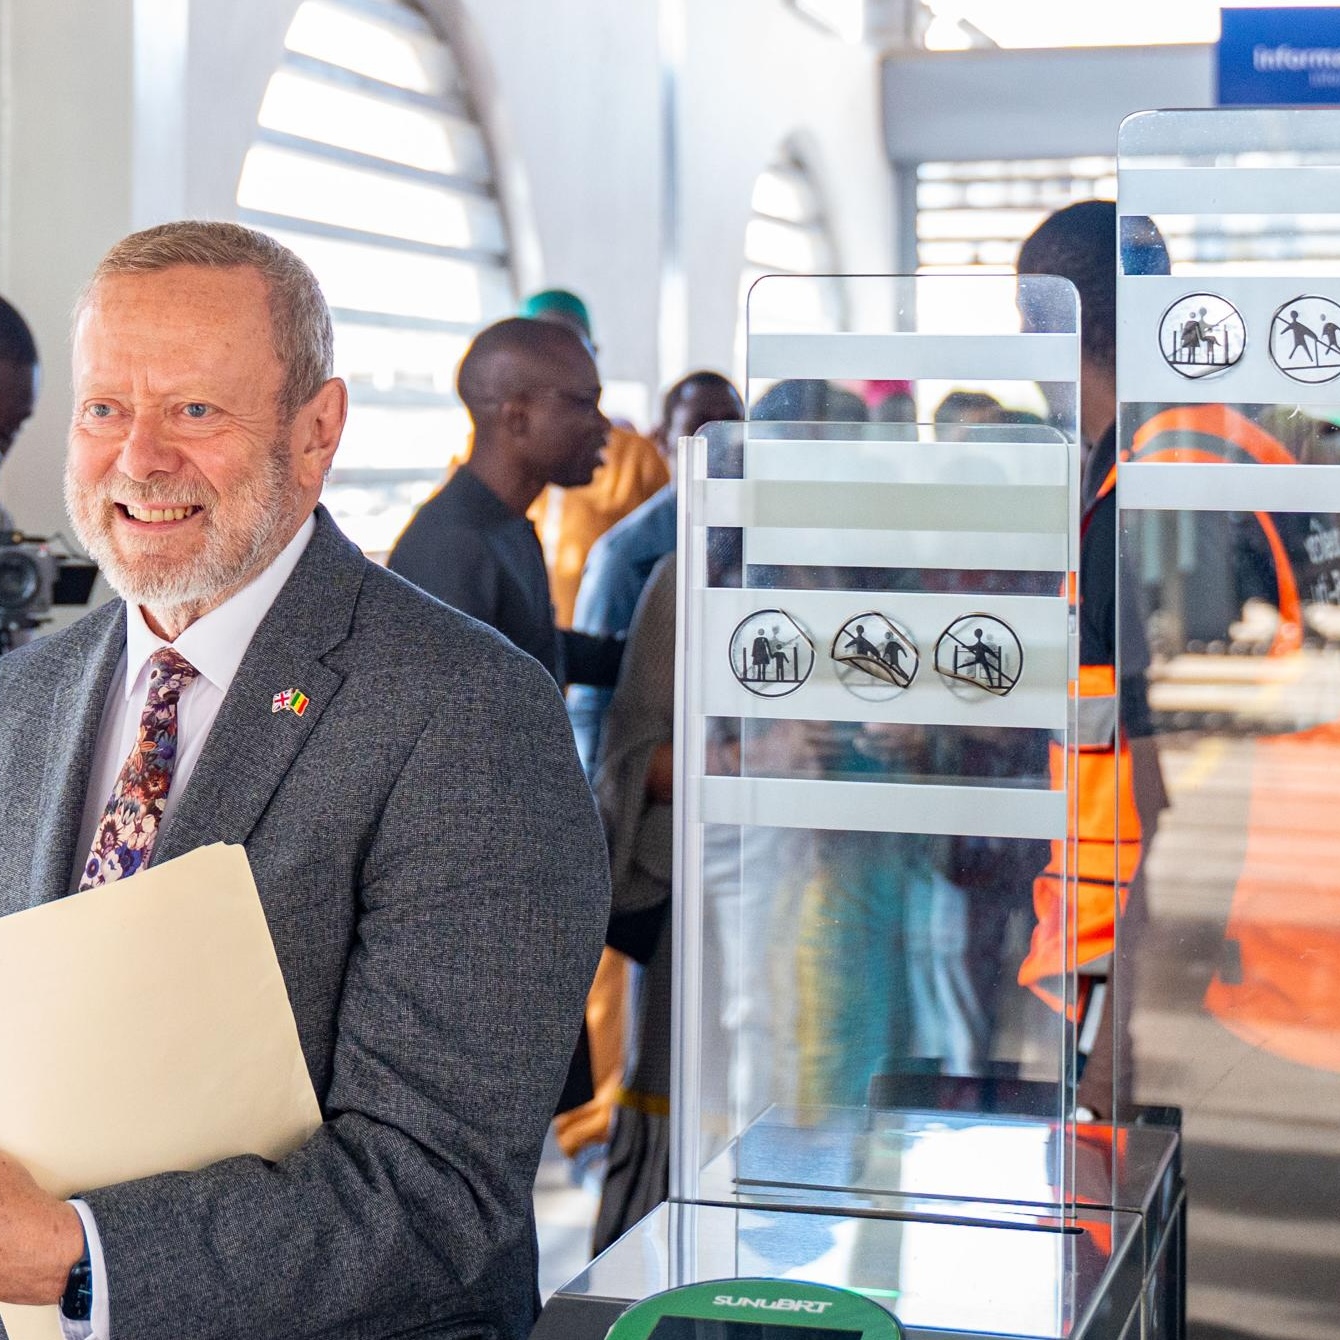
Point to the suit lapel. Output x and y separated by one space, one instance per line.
251 747
76 714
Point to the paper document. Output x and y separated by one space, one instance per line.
145 1028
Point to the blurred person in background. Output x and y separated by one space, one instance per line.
570 519
634 789
966 408
617 569
800 400
19 377
887 401
621 560
533 394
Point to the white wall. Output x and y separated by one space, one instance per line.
755 73
65 195
121 113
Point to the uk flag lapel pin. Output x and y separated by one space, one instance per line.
289 700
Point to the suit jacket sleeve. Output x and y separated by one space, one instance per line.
482 906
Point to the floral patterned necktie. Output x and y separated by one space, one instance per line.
124 840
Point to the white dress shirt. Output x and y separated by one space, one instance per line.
215 644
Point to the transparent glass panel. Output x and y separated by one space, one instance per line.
789 234
1230 548
877 659
402 50
807 306
940 1277
972 214
934 304
304 186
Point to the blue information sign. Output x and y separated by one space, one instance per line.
1279 57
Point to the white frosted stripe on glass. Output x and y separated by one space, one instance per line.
1229 190
1029 358
907 462
1175 486
907 549
1143 375
883 807
1027 508
1040 622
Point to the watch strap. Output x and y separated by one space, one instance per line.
76 1303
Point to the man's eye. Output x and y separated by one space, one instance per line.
196 410
100 411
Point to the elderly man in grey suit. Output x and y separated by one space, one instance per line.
408 793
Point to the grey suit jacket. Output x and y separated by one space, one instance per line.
435 880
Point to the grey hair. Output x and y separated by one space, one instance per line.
300 329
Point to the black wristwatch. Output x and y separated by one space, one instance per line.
76 1303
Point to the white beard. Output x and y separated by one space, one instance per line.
242 538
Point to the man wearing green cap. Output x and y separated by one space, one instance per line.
557 304
569 521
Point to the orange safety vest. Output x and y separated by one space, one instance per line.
1106 823
1105 828
1282 994
1213 434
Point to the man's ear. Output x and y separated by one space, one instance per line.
514 417
317 429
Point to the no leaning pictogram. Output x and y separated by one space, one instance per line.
979 651
876 656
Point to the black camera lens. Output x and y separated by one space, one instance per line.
19 579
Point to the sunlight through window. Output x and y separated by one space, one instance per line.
369 163
788 233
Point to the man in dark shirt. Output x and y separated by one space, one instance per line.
533 394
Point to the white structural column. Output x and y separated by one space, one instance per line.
66 179
160 39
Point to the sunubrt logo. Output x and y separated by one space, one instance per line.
811 1305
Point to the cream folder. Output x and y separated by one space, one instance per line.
146 1028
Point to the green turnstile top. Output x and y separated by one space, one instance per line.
756 1309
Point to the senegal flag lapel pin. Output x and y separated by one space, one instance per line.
289 700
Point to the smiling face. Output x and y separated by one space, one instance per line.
183 480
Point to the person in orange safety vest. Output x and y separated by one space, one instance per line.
1109 827
1278 983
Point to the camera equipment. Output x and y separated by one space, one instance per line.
33 578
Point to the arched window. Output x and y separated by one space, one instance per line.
369 163
788 234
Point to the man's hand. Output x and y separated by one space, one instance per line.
41 1238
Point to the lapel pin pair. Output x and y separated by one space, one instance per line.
290 700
